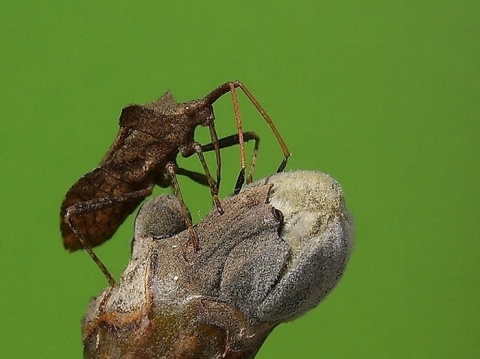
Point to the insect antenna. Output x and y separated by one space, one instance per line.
230 87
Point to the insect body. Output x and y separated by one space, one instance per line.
144 155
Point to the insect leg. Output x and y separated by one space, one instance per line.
216 147
200 178
86 246
233 140
213 188
189 150
171 169
94 205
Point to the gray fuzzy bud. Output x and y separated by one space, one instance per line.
319 231
279 248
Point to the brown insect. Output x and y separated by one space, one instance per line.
144 155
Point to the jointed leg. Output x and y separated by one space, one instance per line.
216 147
198 177
94 205
211 183
234 140
171 170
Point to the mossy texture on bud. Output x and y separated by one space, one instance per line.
280 247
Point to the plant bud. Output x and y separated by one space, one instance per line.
278 249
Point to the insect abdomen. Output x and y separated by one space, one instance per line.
96 224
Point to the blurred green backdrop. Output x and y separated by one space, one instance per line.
384 96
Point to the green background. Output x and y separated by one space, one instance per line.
384 96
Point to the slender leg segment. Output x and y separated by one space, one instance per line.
171 169
95 205
234 140
216 146
211 183
90 251
197 177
